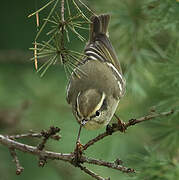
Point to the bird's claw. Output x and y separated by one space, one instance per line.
77 153
121 125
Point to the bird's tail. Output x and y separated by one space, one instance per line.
99 46
99 26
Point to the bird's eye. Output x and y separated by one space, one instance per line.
97 113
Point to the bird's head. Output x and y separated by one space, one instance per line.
92 110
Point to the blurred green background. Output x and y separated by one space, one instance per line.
145 36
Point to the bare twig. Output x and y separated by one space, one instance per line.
148 117
33 150
107 164
19 168
35 44
5 140
42 161
62 31
96 139
44 155
35 55
91 173
47 134
31 134
62 10
116 127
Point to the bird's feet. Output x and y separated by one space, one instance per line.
109 129
77 153
121 125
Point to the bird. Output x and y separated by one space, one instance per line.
97 84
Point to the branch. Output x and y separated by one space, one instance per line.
62 31
91 173
117 127
62 10
107 164
70 157
19 168
148 117
5 140
34 150
47 134
33 135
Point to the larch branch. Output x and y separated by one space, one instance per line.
115 127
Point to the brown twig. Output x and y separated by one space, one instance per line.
62 30
132 122
19 168
35 44
111 165
115 127
33 135
34 150
62 10
91 173
44 155
5 140
35 55
42 161
47 134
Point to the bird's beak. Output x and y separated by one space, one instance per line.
84 121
